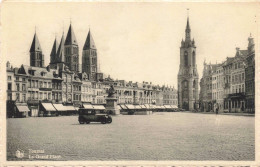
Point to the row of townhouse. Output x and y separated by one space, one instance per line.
30 86
229 86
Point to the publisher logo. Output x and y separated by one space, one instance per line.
19 153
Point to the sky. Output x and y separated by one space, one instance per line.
135 41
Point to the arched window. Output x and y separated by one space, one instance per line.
194 84
193 58
186 58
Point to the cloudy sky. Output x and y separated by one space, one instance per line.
135 41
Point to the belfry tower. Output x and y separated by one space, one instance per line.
188 94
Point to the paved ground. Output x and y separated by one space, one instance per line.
161 136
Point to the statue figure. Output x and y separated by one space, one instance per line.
111 91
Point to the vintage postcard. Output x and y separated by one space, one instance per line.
132 83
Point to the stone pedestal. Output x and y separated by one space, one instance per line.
111 106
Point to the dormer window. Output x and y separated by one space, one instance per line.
43 73
31 72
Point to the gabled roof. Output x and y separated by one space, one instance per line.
71 38
35 47
54 51
60 52
37 71
89 43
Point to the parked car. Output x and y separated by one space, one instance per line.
87 116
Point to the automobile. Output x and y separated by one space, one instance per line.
87 116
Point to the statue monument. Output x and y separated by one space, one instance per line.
111 102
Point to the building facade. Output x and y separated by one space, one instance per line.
229 86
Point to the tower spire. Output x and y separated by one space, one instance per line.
188 26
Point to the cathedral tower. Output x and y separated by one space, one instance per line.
188 94
36 56
89 57
71 51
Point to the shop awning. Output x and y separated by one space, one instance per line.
152 106
70 108
143 106
138 107
159 107
88 106
99 107
147 106
130 106
22 108
173 106
123 106
59 107
167 106
48 107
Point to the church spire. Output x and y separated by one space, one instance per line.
187 30
71 38
60 52
54 51
89 43
35 47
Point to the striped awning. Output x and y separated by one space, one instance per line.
48 107
22 108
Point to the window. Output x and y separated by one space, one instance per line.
40 95
18 97
186 58
23 79
33 84
9 86
17 78
23 87
243 76
24 98
193 58
17 87
9 78
45 84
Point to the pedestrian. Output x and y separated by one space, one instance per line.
217 108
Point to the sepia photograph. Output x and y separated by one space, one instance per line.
129 81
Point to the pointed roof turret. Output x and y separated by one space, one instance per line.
89 43
35 47
60 52
54 51
71 38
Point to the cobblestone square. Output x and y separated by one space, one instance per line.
160 136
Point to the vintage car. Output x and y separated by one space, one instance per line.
87 116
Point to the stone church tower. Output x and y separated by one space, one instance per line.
188 94
71 51
89 58
36 56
